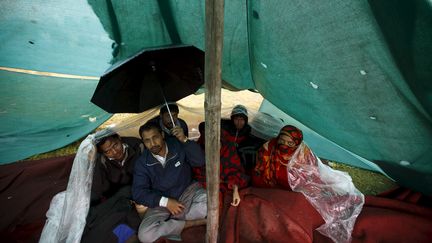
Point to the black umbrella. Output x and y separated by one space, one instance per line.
150 78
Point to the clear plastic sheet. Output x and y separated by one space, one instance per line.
331 192
68 209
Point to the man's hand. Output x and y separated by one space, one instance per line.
174 206
178 132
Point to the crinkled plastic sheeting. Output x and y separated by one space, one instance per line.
68 209
66 217
332 193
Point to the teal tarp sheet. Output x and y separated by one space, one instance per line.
356 72
321 146
40 113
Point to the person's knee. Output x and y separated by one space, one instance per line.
146 231
197 211
200 206
200 197
146 236
202 210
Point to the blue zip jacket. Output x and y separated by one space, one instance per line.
151 180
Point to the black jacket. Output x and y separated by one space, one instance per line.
109 176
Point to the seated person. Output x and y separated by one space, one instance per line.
238 131
288 163
165 122
273 158
232 174
163 182
110 203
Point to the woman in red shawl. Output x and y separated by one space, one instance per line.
286 162
273 158
232 173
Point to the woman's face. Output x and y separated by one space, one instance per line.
239 122
286 140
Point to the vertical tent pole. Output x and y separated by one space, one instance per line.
214 12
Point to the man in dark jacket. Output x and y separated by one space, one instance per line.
114 167
165 122
163 182
111 189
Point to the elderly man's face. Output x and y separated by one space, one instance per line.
113 149
154 141
239 122
166 120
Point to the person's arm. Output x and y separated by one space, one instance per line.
141 186
184 126
100 183
232 172
236 197
193 152
257 175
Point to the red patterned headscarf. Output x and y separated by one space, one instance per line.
293 132
277 156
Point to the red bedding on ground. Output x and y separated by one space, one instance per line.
264 215
273 215
26 190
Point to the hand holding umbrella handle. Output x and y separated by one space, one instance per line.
179 134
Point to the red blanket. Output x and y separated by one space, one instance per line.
273 215
26 190
264 215
284 216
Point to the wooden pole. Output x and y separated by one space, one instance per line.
214 11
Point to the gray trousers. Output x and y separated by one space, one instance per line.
158 222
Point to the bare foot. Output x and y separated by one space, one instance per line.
196 222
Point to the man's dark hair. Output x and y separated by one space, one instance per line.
149 126
104 139
172 107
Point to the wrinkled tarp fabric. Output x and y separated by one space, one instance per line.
357 72
27 190
40 113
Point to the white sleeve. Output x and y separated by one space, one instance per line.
163 202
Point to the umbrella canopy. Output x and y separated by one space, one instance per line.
148 78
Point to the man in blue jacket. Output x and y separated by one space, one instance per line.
163 182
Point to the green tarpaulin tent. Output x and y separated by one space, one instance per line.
358 73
